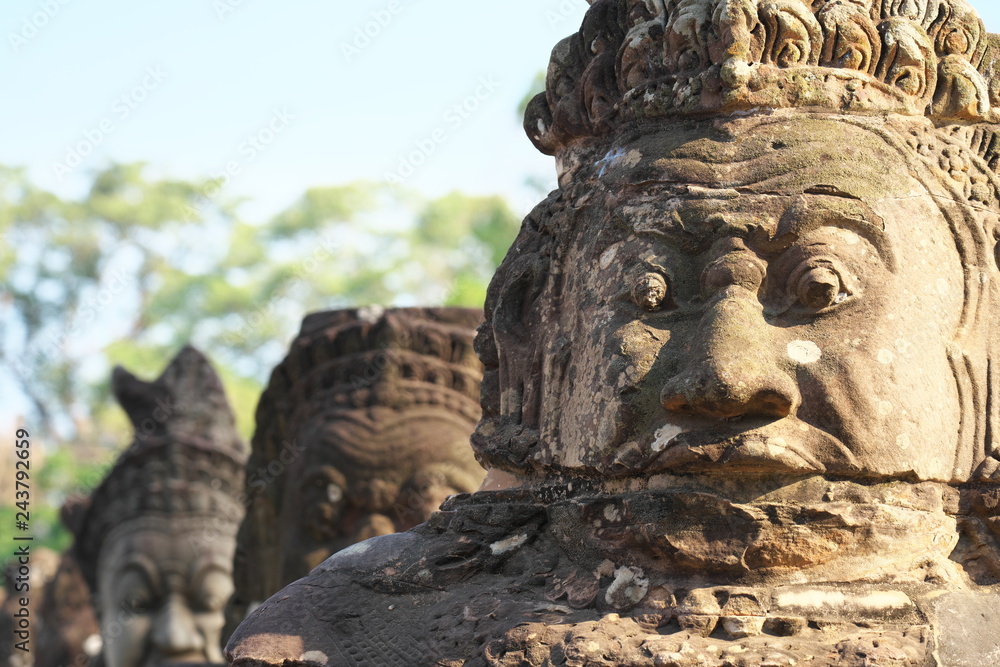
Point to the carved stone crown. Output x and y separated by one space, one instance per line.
643 59
359 358
186 459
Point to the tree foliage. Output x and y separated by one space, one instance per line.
129 272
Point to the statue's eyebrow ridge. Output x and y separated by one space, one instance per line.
811 211
830 191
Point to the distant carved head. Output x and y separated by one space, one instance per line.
807 289
156 540
363 431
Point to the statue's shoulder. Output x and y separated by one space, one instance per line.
409 599
342 613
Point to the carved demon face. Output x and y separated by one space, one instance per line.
370 472
786 331
163 586
779 296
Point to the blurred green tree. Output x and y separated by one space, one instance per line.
138 266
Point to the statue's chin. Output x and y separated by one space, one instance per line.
753 532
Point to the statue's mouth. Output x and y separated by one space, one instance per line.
785 445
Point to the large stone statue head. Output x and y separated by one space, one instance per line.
740 401
362 431
765 254
156 542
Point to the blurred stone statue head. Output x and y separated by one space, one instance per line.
362 431
156 538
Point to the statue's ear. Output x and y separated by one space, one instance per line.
137 398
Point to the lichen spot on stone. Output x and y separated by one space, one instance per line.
370 314
665 435
509 544
354 550
885 600
885 356
608 256
618 157
628 589
315 657
93 644
804 351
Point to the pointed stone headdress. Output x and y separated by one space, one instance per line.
186 459
635 60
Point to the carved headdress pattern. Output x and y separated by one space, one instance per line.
641 59
356 358
186 458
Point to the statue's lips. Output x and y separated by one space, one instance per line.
785 445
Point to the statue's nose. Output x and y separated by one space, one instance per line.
174 631
733 371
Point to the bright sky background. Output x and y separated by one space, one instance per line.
227 65
183 84
78 71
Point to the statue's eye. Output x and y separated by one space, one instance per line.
135 593
139 602
652 292
819 287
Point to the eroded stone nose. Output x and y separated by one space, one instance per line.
174 631
732 371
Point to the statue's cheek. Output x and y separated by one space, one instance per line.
641 346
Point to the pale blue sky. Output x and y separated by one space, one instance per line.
223 73
183 85
226 66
